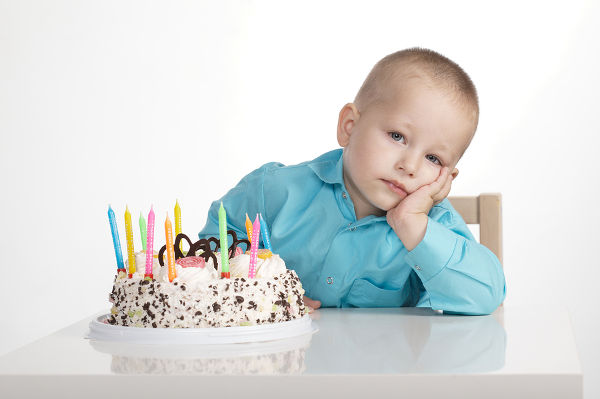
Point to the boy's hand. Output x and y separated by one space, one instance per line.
409 217
312 304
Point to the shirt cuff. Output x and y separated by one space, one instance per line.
434 251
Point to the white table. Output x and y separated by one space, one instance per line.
357 353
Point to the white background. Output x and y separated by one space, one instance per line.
140 103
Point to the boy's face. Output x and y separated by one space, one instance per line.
396 146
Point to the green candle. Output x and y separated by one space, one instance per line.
224 244
143 232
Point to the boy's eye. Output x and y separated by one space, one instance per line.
396 136
434 159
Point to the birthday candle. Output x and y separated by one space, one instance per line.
249 228
143 231
254 248
129 236
170 251
150 245
265 233
116 241
224 245
177 220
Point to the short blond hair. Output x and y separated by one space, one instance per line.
440 70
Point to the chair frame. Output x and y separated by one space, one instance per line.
486 211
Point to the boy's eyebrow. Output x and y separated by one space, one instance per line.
442 146
401 123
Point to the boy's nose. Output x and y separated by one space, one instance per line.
409 163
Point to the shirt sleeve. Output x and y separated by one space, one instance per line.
246 197
459 274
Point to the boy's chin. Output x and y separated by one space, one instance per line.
389 206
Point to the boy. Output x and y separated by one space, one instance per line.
369 225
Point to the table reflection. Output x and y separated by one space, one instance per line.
405 340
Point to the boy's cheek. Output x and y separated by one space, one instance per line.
433 178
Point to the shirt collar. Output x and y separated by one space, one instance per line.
329 167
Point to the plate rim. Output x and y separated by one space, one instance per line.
100 331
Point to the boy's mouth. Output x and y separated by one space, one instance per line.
396 187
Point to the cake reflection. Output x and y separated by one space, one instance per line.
279 357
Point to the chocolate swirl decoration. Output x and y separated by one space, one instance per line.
204 245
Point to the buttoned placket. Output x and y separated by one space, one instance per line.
332 276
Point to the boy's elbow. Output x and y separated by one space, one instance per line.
490 295
495 293
497 298
489 306
483 304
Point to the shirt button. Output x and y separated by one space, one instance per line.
329 280
418 267
344 194
352 228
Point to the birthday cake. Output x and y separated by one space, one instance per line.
257 292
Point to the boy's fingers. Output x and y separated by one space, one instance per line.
444 191
439 183
311 303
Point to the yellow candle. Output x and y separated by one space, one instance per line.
178 221
249 228
129 235
170 250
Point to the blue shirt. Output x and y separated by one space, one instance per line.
344 262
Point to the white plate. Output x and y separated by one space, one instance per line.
101 331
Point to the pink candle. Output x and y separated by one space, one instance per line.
150 245
254 247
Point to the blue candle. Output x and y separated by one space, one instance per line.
265 233
116 241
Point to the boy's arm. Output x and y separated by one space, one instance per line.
459 274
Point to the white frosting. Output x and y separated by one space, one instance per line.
140 265
193 277
265 268
239 266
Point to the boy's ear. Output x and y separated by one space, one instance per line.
454 173
348 117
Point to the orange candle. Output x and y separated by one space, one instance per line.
170 250
249 228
